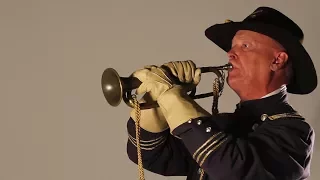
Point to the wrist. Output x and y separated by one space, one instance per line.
178 107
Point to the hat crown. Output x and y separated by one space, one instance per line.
270 16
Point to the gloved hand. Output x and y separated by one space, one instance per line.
185 71
152 119
176 106
154 80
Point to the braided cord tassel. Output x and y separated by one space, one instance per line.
137 110
215 97
214 109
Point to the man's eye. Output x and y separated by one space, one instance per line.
245 45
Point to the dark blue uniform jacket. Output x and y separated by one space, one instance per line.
264 139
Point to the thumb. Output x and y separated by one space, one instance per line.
142 89
149 67
141 74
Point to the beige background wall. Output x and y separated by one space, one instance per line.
55 123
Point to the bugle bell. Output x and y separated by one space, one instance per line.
116 88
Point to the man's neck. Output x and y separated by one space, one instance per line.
282 88
249 97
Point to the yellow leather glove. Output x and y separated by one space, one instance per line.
185 71
178 107
152 119
154 81
175 104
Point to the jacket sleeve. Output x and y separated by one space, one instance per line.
277 149
162 153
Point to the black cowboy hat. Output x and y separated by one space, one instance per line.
270 22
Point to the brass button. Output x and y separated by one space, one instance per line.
199 171
208 129
227 21
263 117
254 127
199 122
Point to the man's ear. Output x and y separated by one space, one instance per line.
279 61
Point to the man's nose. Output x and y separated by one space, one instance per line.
231 55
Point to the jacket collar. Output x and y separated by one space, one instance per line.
274 103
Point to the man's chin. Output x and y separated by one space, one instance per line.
231 81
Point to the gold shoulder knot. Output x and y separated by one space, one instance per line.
285 115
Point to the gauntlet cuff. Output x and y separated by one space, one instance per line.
178 108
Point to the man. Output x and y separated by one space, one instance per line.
264 138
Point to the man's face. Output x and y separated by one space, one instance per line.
251 55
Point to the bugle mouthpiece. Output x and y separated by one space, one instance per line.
226 66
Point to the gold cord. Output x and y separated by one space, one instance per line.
137 110
214 109
201 174
215 96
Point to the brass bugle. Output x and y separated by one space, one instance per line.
116 88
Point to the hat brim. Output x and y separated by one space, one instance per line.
304 79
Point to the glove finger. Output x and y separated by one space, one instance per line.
188 73
141 74
172 68
197 76
149 66
158 74
181 74
142 88
193 68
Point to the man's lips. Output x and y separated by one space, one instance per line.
234 66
